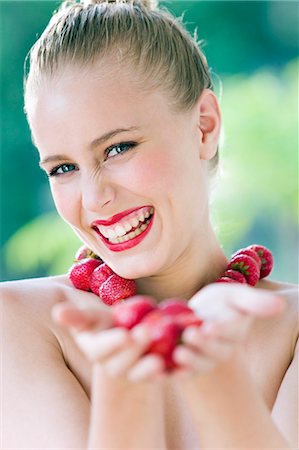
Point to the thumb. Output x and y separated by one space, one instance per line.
81 318
264 305
258 302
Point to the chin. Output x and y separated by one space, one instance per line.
136 269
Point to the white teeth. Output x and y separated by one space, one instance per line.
114 241
131 235
134 222
104 231
111 234
122 231
141 217
138 231
127 226
119 230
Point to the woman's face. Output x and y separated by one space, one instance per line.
118 159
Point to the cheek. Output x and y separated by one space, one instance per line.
65 199
150 174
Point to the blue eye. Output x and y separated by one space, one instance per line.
62 169
118 149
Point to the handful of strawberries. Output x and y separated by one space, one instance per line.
167 320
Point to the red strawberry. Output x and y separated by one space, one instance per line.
266 258
99 276
235 275
116 288
174 306
226 280
187 319
85 252
129 313
165 334
247 266
180 312
80 273
248 251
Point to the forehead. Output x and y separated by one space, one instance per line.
78 101
75 89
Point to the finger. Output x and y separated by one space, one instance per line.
121 362
79 319
209 346
101 345
258 302
184 356
148 367
231 331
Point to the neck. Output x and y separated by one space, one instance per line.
194 269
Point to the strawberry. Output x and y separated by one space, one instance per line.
116 288
235 275
85 252
187 319
99 276
225 279
129 313
247 266
248 251
174 306
165 335
266 258
80 273
180 312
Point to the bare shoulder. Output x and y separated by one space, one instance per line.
285 408
36 297
31 301
278 286
288 322
38 386
30 290
273 352
288 291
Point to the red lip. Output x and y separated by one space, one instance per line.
117 217
128 244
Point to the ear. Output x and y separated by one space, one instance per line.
209 124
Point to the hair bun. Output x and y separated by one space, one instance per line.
148 4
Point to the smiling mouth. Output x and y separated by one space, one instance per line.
127 228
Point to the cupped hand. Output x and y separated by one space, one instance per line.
228 312
120 352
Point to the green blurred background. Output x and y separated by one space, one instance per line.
252 48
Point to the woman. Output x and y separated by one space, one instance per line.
122 111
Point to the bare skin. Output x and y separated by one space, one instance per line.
71 381
48 380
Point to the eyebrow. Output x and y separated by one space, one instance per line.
95 143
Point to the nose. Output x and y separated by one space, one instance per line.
95 192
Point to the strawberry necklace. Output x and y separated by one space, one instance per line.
167 320
91 273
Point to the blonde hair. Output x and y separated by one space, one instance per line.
137 34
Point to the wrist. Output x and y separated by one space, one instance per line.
136 408
228 409
227 387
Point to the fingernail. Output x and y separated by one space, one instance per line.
273 301
133 377
140 334
118 334
190 334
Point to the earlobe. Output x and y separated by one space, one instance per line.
209 124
